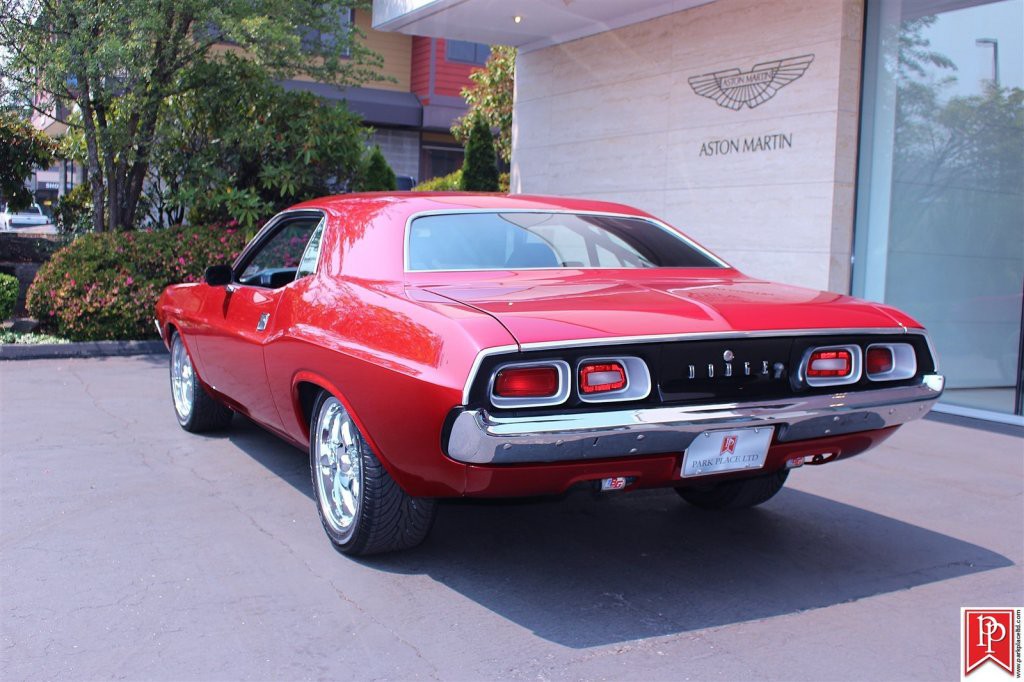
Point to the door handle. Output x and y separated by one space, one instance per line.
262 324
231 288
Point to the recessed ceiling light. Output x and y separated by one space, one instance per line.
517 18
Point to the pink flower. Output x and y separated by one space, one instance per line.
181 261
129 281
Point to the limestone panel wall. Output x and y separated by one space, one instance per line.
758 164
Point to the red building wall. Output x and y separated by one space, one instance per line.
449 77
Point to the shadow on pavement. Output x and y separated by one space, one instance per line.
583 571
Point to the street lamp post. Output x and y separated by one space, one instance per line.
980 42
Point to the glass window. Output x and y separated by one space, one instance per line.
436 161
291 252
941 188
521 240
315 40
463 51
307 264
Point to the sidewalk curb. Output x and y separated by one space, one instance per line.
85 349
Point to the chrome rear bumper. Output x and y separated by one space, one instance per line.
478 437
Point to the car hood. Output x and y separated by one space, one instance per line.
602 306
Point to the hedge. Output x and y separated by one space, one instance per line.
453 182
105 286
8 296
442 183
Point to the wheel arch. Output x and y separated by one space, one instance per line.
306 386
168 331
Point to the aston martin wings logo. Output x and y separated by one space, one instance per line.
733 88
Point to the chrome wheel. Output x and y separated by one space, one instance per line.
182 385
339 466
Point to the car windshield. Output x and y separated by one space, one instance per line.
523 240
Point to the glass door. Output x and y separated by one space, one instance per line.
940 208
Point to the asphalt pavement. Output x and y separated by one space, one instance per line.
132 549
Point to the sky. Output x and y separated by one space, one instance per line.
954 35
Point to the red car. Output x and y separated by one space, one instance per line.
424 346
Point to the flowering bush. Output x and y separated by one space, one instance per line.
105 285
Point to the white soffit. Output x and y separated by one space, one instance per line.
543 22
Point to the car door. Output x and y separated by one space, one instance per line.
241 315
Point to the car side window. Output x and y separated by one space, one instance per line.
307 264
285 256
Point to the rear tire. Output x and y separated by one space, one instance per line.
738 494
362 509
195 409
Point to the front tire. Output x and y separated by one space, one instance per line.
737 494
195 409
362 509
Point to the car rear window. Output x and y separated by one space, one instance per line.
525 240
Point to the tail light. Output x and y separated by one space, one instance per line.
526 382
890 361
879 360
601 377
604 380
831 365
530 384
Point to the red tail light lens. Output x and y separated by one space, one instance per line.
602 377
879 360
834 363
526 382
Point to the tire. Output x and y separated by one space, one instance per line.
196 410
362 509
738 494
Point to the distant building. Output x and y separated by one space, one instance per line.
50 184
411 116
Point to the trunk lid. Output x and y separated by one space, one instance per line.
538 308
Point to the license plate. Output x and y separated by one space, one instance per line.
716 452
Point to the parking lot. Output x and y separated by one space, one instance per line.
131 549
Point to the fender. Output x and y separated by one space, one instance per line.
309 377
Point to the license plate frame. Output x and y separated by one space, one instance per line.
712 452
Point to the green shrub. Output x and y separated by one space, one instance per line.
74 209
503 182
8 295
378 176
105 285
480 168
443 183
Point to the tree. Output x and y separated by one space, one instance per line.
120 63
490 97
241 147
22 148
480 168
378 175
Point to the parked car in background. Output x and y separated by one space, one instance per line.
428 345
32 216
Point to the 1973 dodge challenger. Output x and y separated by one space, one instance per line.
424 346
